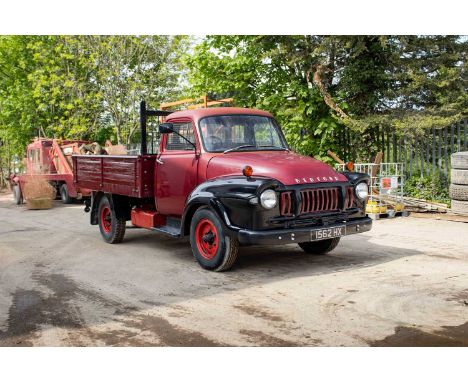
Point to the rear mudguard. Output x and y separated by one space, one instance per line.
119 203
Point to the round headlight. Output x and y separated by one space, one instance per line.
268 199
362 191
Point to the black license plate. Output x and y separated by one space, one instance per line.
327 233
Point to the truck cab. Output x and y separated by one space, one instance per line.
226 177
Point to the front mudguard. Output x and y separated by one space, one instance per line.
356 177
221 192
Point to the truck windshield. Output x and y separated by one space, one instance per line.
225 133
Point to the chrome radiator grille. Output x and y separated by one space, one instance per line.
315 200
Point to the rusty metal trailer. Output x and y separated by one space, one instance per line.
50 159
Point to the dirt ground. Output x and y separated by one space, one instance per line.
405 283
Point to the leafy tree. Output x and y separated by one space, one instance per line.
67 100
429 82
131 68
323 86
86 87
45 89
16 101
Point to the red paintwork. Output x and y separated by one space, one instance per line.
206 248
197 114
349 197
106 219
285 166
51 164
286 203
129 175
147 218
179 174
170 183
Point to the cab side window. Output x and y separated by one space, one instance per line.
34 155
175 142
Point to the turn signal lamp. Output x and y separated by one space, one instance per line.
350 166
247 171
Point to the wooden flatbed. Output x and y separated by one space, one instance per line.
129 175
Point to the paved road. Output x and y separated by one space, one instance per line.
403 283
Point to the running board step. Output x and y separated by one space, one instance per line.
171 228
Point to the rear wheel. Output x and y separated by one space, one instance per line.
112 228
320 247
64 195
17 194
212 247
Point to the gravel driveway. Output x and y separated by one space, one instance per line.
404 283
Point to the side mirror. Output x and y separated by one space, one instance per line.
166 128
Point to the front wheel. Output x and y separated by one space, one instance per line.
320 247
17 194
112 228
64 195
212 247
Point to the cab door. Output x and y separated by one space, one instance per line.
177 169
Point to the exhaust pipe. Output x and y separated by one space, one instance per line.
143 149
144 114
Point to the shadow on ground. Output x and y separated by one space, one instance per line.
62 299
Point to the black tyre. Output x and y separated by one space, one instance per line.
17 194
459 176
458 192
112 228
212 247
460 160
320 247
64 195
460 206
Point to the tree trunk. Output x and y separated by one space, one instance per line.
318 80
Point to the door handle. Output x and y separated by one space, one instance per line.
159 161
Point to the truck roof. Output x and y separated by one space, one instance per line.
198 114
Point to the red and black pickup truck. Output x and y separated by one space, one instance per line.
225 177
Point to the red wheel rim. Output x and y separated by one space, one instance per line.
106 219
206 237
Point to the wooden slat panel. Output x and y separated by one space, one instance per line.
116 174
446 151
427 162
465 128
440 149
411 157
452 137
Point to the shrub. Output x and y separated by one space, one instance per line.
430 188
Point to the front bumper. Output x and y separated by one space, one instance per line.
300 235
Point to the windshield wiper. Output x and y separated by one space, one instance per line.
263 146
237 148
275 147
